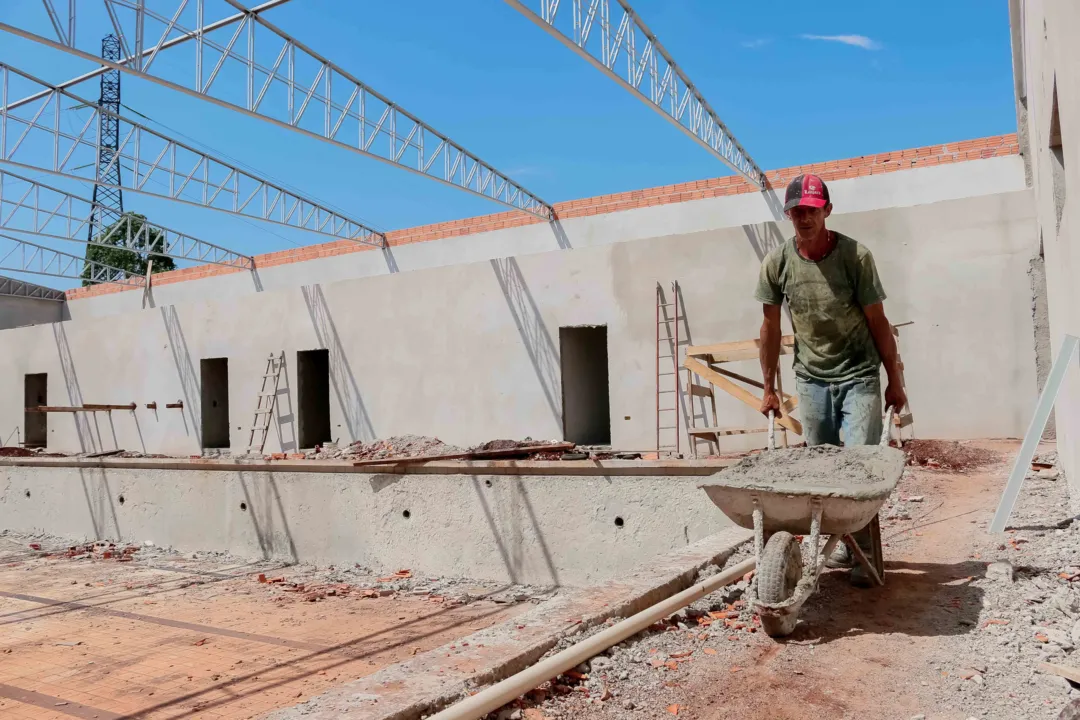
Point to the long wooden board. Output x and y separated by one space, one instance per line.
740 393
472 455
740 350
1065 671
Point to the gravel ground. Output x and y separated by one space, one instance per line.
1014 604
307 582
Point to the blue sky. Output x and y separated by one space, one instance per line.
895 75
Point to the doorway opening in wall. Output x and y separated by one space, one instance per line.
313 394
1057 159
214 374
35 394
586 402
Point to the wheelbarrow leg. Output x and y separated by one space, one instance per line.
874 566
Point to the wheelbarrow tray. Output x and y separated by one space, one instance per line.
851 485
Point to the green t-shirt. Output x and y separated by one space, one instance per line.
826 299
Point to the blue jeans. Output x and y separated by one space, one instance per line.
849 409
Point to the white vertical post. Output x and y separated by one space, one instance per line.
1034 433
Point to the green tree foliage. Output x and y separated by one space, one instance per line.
131 262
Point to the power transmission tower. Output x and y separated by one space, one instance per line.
108 202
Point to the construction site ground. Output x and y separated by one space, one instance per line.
954 634
960 630
108 632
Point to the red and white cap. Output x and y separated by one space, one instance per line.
807 191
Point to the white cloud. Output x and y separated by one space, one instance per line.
756 43
856 40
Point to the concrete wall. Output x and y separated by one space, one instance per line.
20 311
1047 57
547 530
469 351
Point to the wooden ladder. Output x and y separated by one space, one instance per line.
264 408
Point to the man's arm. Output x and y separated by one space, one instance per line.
769 354
881 331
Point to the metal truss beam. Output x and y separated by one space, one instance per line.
31 207
288 84
160 165
27 257
11 287
618 43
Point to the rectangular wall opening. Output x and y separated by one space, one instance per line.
313 396
215 402
586 407
35 394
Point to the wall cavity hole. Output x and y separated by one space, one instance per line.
488 483
27 493
120 499
406 514
243 506
619 522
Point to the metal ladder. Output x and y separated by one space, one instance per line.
667 348
274 365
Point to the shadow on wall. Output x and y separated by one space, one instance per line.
99 502
74 392
688 413
764 237
283 409
357 420
391 261
513 541
537 339
560 235
185 370
267 513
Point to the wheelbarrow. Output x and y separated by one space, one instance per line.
787 570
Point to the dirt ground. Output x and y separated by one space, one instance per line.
924 646
172 637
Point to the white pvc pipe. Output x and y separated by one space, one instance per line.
515 686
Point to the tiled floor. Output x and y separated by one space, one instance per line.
95 638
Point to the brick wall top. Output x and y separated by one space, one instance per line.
876 164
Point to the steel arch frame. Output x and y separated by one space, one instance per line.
54 213
11 287
670 92
40 260
383 130
258 199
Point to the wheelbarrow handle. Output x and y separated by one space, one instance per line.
888 425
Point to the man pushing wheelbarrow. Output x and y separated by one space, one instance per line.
842 336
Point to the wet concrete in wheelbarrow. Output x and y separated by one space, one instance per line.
857 472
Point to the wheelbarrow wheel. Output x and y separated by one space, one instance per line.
779 570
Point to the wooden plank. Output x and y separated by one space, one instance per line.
701 390
104 453
740 350
472 455
55 408
749 381
725 431
738 392
1065 671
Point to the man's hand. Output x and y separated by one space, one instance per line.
895 397
771 401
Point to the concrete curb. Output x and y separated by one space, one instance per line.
437 678
446 467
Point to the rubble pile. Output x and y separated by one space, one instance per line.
948 455
1030 608
397 446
